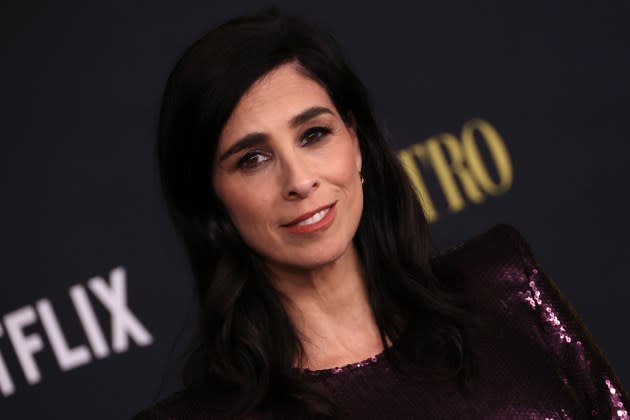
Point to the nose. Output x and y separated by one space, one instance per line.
299 179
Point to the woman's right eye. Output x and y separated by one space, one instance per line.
251 160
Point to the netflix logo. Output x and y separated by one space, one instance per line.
111 295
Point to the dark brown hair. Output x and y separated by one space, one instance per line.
246 345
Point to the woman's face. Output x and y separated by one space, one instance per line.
284 154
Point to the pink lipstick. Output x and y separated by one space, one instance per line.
313 221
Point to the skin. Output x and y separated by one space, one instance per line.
293 170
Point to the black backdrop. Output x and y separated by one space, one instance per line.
541 88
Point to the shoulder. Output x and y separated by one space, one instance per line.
502 246
493 268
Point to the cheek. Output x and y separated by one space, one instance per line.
246 207
343 162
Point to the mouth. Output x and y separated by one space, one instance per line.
311 217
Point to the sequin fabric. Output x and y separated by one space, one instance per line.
536 359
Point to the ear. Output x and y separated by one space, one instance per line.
351 125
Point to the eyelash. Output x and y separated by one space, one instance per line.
315 134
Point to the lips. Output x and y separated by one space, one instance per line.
307 215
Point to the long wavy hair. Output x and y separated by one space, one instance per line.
246 345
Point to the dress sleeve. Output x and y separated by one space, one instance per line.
582 364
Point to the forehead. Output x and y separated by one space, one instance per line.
273 100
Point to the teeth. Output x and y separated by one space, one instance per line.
314 218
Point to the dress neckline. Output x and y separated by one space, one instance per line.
345 368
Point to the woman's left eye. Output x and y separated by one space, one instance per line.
312 135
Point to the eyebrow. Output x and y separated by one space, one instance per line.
304 116
255 139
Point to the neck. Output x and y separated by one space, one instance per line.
330 310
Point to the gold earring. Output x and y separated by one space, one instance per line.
362 179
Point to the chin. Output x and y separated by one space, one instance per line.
311 262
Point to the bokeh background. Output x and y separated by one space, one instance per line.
539 89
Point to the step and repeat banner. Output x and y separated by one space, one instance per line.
500 112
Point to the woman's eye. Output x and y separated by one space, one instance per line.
251 160
315 134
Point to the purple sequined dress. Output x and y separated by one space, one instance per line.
537 361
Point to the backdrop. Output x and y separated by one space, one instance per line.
513 112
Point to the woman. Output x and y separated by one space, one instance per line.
313 264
